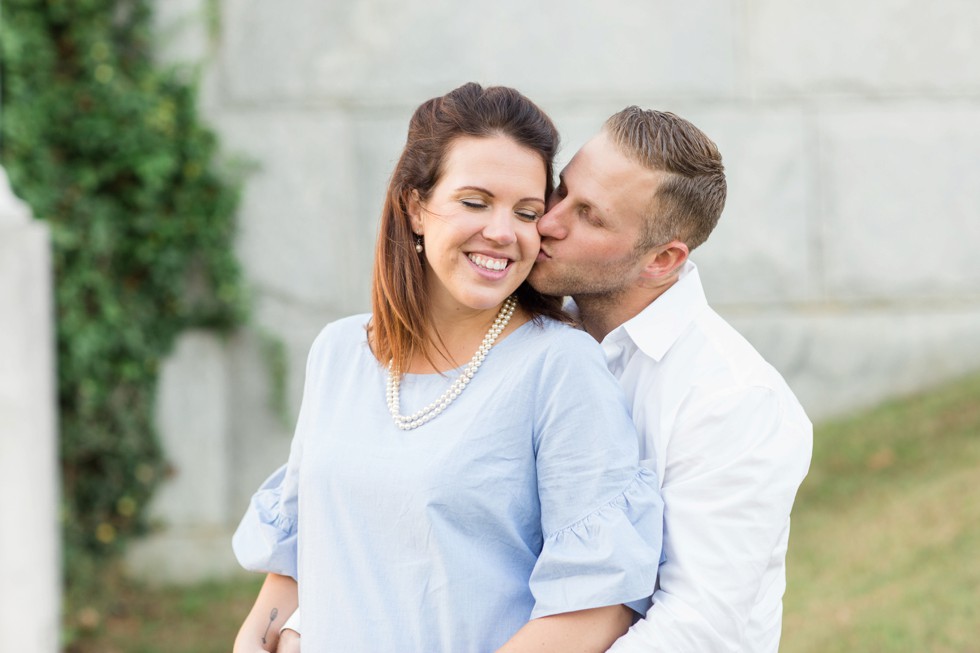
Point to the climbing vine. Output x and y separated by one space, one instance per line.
105 144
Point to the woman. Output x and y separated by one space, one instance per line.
445 505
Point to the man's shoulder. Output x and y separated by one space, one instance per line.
720 343
704 338
686 348
716 392
709 355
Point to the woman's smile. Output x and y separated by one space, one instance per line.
488 263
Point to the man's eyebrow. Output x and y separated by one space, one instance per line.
561 179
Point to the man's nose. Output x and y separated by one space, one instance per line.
552 223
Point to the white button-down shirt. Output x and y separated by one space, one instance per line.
731 445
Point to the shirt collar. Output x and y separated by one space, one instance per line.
658 326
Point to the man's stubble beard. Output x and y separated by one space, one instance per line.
598 283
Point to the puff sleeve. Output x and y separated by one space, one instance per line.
266 537
601 515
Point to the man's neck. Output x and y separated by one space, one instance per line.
600 314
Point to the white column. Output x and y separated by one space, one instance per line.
30 577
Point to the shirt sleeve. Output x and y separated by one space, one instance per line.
293 623
601 515
734 464
265 540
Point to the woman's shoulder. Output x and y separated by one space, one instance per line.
347 325
553 348
552 336
342 334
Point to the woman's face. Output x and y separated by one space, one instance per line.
478 223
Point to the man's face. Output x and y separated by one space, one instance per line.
594 222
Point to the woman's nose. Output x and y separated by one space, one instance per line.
500 228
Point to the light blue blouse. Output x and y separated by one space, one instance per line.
523 499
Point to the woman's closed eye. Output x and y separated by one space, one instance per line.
475 204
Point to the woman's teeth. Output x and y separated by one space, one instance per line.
496 264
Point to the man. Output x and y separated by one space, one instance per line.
727 438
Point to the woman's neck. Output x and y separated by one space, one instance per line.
454 336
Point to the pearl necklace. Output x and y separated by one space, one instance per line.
428 413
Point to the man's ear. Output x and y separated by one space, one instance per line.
415 212
664 261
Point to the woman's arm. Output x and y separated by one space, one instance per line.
583 631
277 599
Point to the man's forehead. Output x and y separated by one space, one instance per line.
590 149
580 164
601 173
602 154
601 160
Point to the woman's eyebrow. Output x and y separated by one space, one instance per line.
477 189
480 189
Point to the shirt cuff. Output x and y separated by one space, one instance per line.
292 623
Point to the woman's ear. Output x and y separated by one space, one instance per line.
415 212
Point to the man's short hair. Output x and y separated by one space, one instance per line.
691 196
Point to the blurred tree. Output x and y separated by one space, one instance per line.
106 145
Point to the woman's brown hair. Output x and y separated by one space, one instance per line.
400 322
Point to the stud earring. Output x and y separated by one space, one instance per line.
418 244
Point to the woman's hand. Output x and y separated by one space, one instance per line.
277 599
583 631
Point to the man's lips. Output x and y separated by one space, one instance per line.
542 256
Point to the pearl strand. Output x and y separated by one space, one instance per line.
424 415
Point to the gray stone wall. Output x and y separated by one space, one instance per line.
851 133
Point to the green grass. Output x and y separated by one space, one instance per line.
885 544
129 617
884 551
